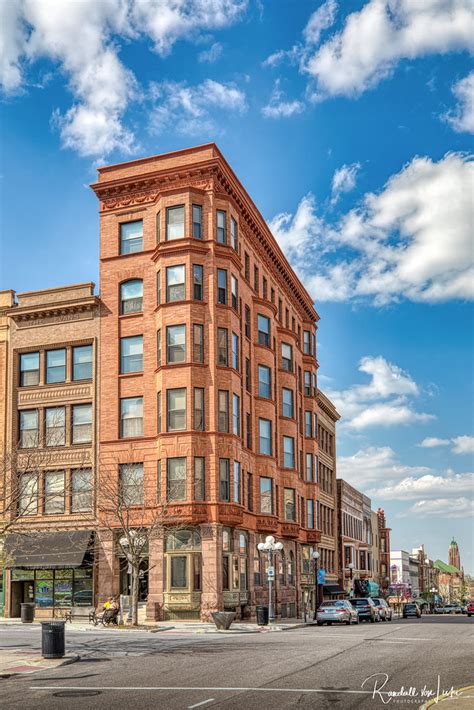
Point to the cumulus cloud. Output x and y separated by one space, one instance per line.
344 180
384 402
279 107
373 465
212 54
463 445
101 85
428 485
462 117
411 240
188 108
431 441
375 39
443 508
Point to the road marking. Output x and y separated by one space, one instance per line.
213 689
203 702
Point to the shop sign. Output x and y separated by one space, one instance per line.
321 576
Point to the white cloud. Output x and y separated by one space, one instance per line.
412 240
384 32
320 20
344 180
374 465
188 108
463 445
81 38
443 508
462 117
428 485
383 402
278 107
431 441
212 54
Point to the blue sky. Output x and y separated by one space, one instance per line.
351 127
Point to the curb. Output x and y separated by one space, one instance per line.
67 662
445 698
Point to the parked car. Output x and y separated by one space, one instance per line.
411 610
470 608
366 609
385 611
452 609
438 610
339 611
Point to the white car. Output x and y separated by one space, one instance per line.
339 611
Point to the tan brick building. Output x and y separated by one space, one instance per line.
48 358
209 388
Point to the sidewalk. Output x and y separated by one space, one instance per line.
13 662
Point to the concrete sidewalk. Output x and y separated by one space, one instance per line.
22 662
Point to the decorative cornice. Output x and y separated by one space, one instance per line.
54 313
327 406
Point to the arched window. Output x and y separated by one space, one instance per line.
131 296
291 568
282 568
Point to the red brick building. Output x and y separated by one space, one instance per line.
208 386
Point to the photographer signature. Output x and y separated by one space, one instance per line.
380 680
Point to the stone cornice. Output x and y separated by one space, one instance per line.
209 175
328 407
57 311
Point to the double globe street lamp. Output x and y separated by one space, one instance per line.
270 547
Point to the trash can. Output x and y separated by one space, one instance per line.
27 612
262 615
52 639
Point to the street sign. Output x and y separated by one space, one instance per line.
271 573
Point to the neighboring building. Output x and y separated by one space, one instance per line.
400 583
414 571
451 583
454 558
50 440
384 551
375 547
209 388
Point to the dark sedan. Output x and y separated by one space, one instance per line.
410 610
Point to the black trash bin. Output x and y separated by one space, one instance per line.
262 615
27 612
52 639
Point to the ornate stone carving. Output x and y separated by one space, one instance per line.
49 394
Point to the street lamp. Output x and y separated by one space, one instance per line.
351 572
270 547
315 555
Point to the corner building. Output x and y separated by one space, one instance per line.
208 385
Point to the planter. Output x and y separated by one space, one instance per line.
223 619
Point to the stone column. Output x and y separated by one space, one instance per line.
107 568
211 545
156 579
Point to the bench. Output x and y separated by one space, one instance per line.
79 613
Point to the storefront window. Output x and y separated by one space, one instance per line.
59 588
306 559
197 573
183 540
225 573
243 574
179 572
235 572
44 592
63 587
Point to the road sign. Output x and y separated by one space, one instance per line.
271 573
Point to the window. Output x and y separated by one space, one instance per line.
248 374
236 414
237 482
287 403
197 282
131 237
55 426
29 428
307 383
55 366
235 351
272 295
223 411
197 221
198 410
266 496
131 354
247 321
234 290
221 227
131 297
175 283
199 478
288 452
289 504
175 343
131 417
176 407
198 342
28 494
309 467
81 490
308 429
234 238
249 491
54 492
224 479
82 362
174 223
179 576
264 287
264 381
265 436
176 478
158 348
263 330
158 227
306 342
222 347
280 310
131 483
29 369
291 568
287 357
247 267
158 412
256 278
222 286
158 287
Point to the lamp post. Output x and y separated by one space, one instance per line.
315 555
270 547
351 573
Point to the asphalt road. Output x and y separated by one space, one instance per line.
306 668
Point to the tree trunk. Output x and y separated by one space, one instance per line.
135 588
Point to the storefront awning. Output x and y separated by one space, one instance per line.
46 550
333 589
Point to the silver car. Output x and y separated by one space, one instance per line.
338 611
384 610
